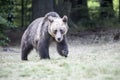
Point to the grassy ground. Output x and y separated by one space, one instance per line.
85 62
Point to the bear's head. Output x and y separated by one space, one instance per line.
58 27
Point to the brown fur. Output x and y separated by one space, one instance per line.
37 36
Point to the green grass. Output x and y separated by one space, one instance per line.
85 62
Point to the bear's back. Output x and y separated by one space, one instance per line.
37 23
53 14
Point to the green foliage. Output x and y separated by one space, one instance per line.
6 19
3 26
98 24
4 41
13 8
95 21
10 16
94 8
3 21
116 7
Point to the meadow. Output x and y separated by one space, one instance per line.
85 62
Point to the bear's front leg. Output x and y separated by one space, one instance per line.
62 48
44 50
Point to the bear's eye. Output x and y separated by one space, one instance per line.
62 32
55 31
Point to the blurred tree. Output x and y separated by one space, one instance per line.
41 7
6 19
119 10
79 10
22 13
28 11
106 9
62 7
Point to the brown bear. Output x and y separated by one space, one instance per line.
41 32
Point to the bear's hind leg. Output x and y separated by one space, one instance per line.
26 48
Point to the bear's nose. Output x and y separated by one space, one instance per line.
58 39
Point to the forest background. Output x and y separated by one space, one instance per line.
93 15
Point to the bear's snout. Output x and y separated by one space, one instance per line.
59 39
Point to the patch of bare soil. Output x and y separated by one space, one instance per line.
96 36
14 36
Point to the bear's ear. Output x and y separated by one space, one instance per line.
65 18
50 18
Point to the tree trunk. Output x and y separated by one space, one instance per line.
106 9
22 13
79 10
63 7
119 10
41 7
